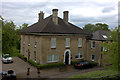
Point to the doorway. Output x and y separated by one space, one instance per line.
67 57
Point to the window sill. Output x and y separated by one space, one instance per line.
92 60
28 44
52 61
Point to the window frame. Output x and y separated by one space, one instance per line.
80 53
53 58
92 57
53 42
92 44
35 57
23 39
28 40
67 42
35 43
79 42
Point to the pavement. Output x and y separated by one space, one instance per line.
20 68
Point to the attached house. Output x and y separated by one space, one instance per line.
53 40
94 46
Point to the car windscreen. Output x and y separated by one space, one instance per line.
6 56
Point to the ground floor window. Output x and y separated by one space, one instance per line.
35 56
92 57
52 58
79 55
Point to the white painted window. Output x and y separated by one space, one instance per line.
79 42
23 39
92 57
52 58
23 51
53 42
28 40
35 42
79 55
35 56
92 44
67 42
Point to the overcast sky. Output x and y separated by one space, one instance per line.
81 12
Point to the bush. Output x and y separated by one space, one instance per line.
22 57
33 63
52 65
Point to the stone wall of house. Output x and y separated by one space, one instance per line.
44 47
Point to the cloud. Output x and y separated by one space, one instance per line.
80 12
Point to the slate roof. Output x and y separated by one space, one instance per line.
48 26
98 35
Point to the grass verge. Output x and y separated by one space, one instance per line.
94 74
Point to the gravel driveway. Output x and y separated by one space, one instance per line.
20 68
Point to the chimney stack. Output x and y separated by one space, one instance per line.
65 16
41 16
55 16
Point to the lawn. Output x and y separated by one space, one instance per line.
94 74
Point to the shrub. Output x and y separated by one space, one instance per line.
52 65
22 57
33 63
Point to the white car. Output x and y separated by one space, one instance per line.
6 58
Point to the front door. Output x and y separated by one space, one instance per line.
67 58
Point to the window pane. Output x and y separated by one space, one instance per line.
93 57
49 58
53 42
67 42
81 55
56 57
28 39
79 42
77 55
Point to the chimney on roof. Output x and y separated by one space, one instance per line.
55 16
41 16
65 16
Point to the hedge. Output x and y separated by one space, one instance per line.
22 57
51 65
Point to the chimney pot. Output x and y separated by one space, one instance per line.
41 16
55 16
65 16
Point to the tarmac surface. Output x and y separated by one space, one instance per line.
20 68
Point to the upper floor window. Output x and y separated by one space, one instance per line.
79 55
28 40
35 42
79 42
92 57
92 44
53 42
67 42
23 39
52 58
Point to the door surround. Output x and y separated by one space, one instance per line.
67 50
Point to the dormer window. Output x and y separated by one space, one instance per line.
104 36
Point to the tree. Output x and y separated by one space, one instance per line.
112 49
89 27
98 26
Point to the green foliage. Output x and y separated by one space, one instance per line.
51 65
112 50
94 74
21 56
10 37
98 26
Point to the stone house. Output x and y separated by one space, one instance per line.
53 39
